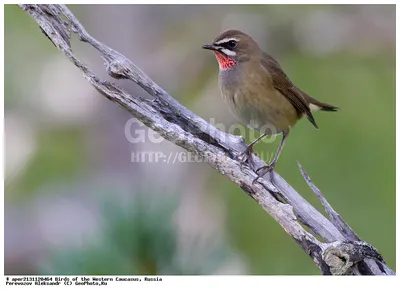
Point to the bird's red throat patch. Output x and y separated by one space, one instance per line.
224 61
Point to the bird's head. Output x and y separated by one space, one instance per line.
233 47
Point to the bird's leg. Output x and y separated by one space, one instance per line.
270 167
246 154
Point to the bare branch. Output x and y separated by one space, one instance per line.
177 124
342 257
336 219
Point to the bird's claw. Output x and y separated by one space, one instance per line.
244 157
268 169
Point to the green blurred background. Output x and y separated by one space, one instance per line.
76 204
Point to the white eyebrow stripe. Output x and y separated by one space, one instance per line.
228 52
225 40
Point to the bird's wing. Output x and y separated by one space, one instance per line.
282 83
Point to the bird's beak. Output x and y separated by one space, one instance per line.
210 47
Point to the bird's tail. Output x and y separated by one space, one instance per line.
318 105
328 108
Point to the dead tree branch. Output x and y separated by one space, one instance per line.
341 251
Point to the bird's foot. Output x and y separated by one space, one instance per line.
264 170
244 157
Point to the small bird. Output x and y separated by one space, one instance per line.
258 92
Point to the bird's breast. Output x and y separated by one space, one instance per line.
255 102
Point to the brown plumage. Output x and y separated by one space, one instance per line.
257 90
300 100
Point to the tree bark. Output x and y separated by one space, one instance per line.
340 252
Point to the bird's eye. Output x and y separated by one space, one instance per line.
232 44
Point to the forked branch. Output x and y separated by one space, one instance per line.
341 251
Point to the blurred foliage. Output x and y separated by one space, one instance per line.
58 160
137 238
